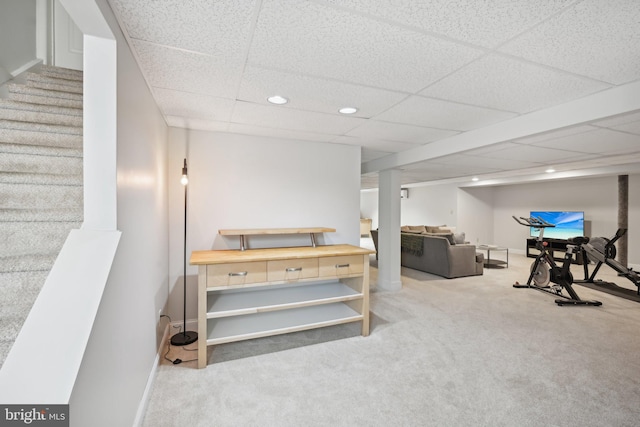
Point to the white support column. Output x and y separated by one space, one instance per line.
389 230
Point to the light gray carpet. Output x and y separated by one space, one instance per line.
463 352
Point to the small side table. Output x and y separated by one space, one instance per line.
494 263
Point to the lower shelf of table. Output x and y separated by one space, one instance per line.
495 263
237 328
241 302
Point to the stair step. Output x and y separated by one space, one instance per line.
40 127
44 97
28 90
10 110
39 108
30 164
41 215
40 196
39 178
36 150
40 138
61 73
26 263
53 83
26 238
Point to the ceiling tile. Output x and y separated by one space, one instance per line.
197 124
314 94
485 23
399 132
289 119
221 28
187 104
633 127
594 38
618 120
574 130
248 129
369 154
487 162
511 85
189 72
375 144
449 169
421 111
537 154
597 142
319 40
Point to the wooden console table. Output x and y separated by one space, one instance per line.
244 294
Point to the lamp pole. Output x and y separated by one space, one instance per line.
185 337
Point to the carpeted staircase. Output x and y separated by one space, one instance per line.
41 196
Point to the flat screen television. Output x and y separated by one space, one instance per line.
567 224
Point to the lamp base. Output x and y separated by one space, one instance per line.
184 338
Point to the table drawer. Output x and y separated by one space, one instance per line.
235 274
338 266
292 269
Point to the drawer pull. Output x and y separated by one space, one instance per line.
241 273
342 265
293 269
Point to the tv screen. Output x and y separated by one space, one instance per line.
567 224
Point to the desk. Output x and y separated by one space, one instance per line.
495 263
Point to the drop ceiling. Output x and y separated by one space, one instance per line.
446 90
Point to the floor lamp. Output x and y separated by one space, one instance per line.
185 337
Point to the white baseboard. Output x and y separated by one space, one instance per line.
25 67
192 325
144 402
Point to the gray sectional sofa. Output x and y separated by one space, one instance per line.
437 254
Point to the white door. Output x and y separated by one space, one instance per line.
67 45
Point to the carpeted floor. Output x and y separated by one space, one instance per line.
463 352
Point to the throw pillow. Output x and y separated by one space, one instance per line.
459 238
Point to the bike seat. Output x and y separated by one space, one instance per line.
578 240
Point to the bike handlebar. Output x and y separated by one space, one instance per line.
533 222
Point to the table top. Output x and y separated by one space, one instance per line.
270 254
256 231
493 247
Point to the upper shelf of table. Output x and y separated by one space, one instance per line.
263 231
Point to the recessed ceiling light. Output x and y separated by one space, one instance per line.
550 170
348 110
277 99
475 178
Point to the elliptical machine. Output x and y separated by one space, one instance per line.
603 251
544 269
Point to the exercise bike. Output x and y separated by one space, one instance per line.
544 269
603 251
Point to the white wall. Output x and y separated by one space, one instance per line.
475 214
484 213
17 35
124 340
597 197
429 205
369 206
238 181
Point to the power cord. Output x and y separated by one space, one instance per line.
176 361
